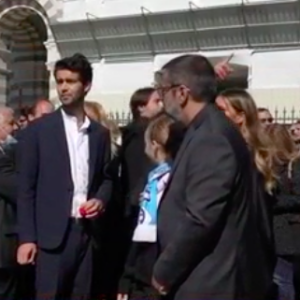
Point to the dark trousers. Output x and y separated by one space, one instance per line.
297 277
141 291
109 259
66 273
8 284
26 276
283 278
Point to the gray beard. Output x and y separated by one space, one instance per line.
174 113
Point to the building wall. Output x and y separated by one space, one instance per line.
274 78
114 83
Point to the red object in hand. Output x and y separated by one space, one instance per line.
82 211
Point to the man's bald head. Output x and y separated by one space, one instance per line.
4 112
7 122
41 108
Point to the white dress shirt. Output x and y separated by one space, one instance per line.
78 146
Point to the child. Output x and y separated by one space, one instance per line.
136 280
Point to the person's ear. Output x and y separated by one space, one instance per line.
183 95
87 87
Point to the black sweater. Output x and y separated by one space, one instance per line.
287 211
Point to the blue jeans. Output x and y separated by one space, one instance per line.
283 277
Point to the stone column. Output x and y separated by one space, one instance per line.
5 72
52 56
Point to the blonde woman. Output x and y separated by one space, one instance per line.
285 150
96 112
286 212
239 106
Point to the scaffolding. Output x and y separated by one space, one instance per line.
264 25
192 8
90 23
246 28
145 13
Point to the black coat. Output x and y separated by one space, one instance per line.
135 164
8 198
287 211
214 226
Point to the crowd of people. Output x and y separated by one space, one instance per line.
197 198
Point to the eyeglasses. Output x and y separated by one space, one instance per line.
163 90
266 120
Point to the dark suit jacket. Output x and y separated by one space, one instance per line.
8 198
209 228
45 181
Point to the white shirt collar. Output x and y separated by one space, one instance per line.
68 118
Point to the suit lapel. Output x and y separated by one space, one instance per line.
61 138
94 148
186 141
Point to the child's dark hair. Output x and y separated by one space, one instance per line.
76 63
168 133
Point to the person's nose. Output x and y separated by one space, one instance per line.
64 87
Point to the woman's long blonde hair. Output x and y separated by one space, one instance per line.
285 149
252 131
96 112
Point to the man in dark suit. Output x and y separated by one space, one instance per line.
8 198
64 185
208 227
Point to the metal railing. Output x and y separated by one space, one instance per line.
284 116
122 118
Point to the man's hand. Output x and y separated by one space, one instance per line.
161 289
26 254
92 208
122 297
223 70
